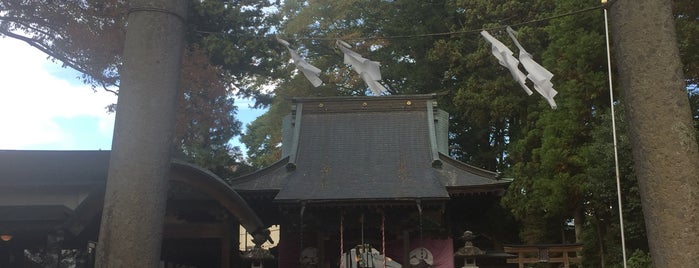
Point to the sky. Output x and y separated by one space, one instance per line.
44 106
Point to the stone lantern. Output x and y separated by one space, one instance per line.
468 251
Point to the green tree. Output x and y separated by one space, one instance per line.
548 163
601 230
488 108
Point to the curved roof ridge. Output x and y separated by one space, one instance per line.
260 172
469 168
272 177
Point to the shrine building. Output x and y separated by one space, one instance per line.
371 173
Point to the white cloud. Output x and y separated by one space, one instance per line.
43 106
32 99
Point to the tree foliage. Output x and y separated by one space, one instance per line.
86 36
548 162
203 132
225 56
562 160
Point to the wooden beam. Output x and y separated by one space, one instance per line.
226 245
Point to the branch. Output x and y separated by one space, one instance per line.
63 59
27 23
115 92
44 49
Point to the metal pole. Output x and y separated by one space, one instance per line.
616 154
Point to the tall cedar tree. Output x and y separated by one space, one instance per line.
665 151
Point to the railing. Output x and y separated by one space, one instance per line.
548 253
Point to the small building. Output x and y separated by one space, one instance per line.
370 174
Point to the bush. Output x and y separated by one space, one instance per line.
639 259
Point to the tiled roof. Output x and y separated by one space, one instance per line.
366 149
271 178
53 168
363 155
64 177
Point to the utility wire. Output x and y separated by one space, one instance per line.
321 38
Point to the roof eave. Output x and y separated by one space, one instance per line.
469 168
497 189
359 98
260 173
383 202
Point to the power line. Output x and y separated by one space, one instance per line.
320 38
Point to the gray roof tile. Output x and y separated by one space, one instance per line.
363 155
367 149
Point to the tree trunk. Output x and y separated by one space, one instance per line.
602 247
666 157
578 222
135 199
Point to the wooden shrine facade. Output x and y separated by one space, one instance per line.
372 172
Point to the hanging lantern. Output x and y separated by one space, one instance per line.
5 237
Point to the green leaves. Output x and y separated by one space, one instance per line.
561 160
